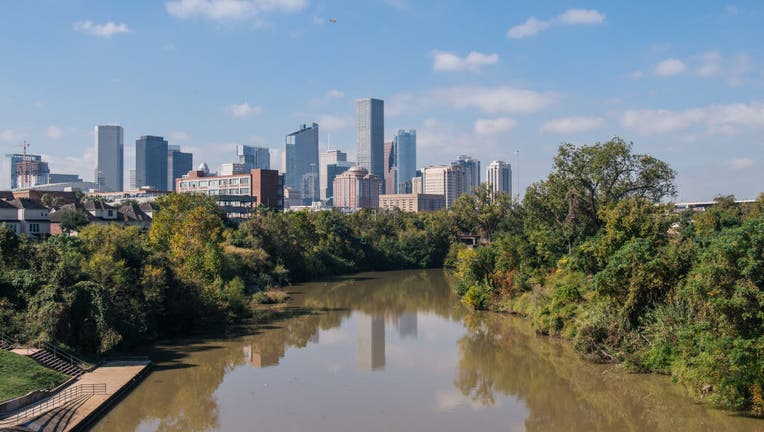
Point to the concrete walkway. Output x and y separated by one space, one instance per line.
117 375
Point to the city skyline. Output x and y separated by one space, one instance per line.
686 92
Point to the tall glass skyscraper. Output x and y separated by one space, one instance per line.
471 168
370 135
301 150
110 150
404 146
499 177
254 157
151 162
178 164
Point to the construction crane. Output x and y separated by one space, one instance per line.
24 163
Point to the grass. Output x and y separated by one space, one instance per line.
271 296
19 375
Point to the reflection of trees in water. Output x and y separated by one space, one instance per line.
500 355
179 394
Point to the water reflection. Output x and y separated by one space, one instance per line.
396 351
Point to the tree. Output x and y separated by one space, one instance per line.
482 211
73 220
584 180
50 201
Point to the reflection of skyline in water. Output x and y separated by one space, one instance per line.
438 368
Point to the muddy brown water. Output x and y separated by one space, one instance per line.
396 351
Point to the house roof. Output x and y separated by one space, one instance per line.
6 195
5 204
28 204
132 213
92 205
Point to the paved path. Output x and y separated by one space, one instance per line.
115 375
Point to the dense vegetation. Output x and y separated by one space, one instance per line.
20 375
112 287
590 255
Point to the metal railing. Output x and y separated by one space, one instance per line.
8 341
67 357
55 401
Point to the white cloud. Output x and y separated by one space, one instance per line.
573 125
740 164
669 67
53 132
399 4
328 122
709 63
637 74
581 16
106 30
243 110
494 126
533 26
231 10
178 136
334 94
12 136
473 62
717 119
489 100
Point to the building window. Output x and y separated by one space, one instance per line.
34 228
111 213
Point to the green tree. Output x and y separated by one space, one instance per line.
483 211
73 220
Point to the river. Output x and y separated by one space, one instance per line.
396 351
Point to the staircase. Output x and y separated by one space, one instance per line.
58 362
7 343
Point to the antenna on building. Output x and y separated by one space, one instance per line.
517 170
328 142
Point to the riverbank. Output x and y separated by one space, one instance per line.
20 375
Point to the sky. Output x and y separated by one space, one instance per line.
682 80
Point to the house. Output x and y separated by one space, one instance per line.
33 217
132 214
100 211
9 215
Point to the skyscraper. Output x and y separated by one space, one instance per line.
301 150
370 135
404 144
110 154
332 163
178 164
151 162
499 177
447 180
254 157
471 168
390 167
20 172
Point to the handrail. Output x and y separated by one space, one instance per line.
66 356
9 340
60 398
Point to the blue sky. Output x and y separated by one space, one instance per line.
683 81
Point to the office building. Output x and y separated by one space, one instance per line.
389 167
110 154
417 183
151 162
370 135
446 180
499 177
404 145
237 194
233 168
331 164
253 157
471 167
21 171
413 202
178 164
64 178
356 188
301 150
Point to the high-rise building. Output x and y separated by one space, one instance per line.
178 164
254 157
404 144
237 194
499 177
471 168
301 150
446 180
390 167
233 168
151 162
331 164
356 188
24 172
64 178
110 155
370 135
